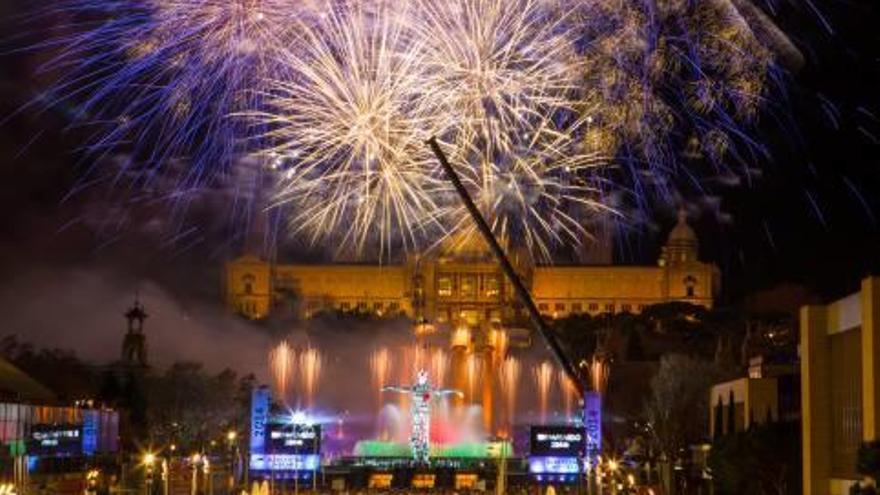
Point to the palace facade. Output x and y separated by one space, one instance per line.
460 283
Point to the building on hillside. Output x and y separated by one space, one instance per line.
840 383
460 287
460 284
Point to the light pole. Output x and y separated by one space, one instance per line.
501 481
206 472
232 451
92 481
166 475
149 462
310 429
195 459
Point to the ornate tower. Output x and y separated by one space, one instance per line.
686 277
682 247
134 346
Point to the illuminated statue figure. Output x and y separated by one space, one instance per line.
422 394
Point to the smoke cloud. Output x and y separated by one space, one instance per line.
82 310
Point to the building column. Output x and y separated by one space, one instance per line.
870 358
815 399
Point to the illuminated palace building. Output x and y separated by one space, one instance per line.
459 284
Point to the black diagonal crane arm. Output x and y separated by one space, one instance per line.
522 293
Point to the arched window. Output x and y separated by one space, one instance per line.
689 283
248 282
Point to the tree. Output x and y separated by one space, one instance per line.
719 419
579 335
58 369
868 459
731 414
677 409
635 350
764 460
189 407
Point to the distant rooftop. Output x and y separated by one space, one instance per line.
18 385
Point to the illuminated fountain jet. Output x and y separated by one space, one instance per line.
422 394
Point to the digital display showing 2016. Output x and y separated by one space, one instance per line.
293 439
557 441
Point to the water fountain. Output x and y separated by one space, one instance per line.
502 389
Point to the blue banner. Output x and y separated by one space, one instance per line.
593 425
91 423
259 419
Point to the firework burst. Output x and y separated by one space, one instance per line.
350 129
497 82
531 99
675 88
163 79
510 74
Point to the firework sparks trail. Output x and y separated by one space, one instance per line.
351 129
675 87
510 74
162 78
494 80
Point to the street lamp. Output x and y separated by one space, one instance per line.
232 451
149 462
92 478
206 471
613 465
166 475
202 461
194 460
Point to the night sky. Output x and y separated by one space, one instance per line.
72 257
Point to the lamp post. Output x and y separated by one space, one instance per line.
149 462
92 481
195 459
314 465
613 467
232 451
501 481
166 475
206 472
